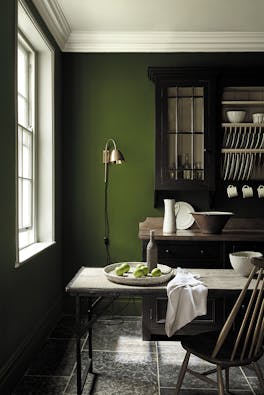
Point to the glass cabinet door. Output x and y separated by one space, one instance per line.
185 132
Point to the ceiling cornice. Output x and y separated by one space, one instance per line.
143 41
55 20
165 42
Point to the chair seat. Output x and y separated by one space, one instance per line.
202 346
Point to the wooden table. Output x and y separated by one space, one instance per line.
91 282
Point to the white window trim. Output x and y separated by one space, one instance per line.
32 88
45 122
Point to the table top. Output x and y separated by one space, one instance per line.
91 281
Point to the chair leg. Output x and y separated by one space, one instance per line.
220 382
182 372
259 374
227 378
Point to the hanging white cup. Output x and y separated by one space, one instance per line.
260 191
247 191
232 191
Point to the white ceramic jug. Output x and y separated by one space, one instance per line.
169 221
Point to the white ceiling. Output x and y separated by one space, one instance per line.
155 25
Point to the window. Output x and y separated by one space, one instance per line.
35 142
26 143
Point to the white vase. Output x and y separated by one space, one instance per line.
169 221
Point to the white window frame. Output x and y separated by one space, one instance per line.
43 129
27 230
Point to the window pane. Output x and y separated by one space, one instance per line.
22 72
19 149
26 203
20 211
24 239
22 111
27 155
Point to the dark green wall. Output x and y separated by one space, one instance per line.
30 296
104 96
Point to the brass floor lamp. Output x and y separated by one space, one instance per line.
110 156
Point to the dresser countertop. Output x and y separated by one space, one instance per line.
237 229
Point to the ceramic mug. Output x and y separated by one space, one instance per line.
247 191
258 118
260 191
232 191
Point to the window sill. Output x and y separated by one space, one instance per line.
26 253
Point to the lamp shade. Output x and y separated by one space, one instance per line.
116 156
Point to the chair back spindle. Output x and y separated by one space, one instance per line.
248 340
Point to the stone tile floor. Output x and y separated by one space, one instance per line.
125 364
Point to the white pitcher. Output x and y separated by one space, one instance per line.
169 221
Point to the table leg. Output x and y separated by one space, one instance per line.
90 333
78 344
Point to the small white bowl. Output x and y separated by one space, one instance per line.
241 261
236 116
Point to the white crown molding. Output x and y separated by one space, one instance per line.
84 41
55 20
143 41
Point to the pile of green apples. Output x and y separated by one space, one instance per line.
140 270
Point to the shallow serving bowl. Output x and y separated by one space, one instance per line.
211 221
241 261
236 116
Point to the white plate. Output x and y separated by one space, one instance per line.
232 166
250 166
129 279
246 167
241 171
237 166
184 218
227 166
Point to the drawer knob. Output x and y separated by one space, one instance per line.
202 251
167 251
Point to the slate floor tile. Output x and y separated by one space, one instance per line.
41 385
113 336
56 358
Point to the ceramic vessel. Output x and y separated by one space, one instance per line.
211 221
152 252
241 261
169 221
236 116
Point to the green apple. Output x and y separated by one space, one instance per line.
156 272
125 266
138 272
119 271
144 269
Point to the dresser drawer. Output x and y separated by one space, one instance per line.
154 316
194 254
161 308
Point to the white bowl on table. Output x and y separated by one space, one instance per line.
241 261
236 116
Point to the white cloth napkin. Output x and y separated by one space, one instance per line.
187 299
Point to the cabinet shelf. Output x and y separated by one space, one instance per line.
242 125
242 150
244 102
181 132
186 97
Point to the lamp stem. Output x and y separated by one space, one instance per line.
106 220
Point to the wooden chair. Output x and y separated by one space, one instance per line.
235 345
